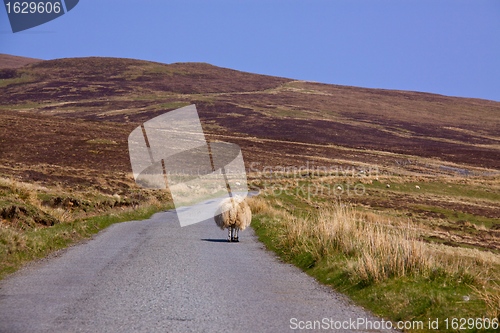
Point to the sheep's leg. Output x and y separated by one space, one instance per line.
235 234
231 233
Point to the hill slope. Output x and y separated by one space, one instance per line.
294 121
10 61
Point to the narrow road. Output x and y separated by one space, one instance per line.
154 276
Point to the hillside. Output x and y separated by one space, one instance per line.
277 121
10 61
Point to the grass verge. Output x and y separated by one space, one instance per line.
382 265
36 220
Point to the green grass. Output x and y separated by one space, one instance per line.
404 298
25 78
440 188
33 105
152 97
173 105
456 216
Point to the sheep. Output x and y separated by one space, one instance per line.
388 186
417 187
233 214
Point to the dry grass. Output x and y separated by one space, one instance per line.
491 296
36 220
11 240
381 250
32 216
376 248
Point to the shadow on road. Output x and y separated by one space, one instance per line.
214 240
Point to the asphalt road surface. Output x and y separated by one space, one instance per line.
154 276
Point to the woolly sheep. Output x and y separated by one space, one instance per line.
233 214
417 187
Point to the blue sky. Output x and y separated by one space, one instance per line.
448 47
